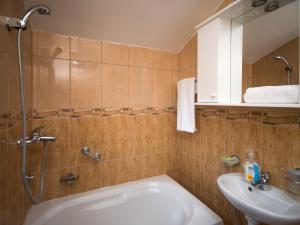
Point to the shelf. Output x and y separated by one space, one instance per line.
294 106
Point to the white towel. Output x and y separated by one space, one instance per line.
284 94
186 105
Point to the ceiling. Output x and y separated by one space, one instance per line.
159 24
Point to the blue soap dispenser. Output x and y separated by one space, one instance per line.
252 169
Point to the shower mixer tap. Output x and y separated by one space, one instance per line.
36 137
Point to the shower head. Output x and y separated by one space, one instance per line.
41 9
288 67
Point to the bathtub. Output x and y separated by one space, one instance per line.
153 201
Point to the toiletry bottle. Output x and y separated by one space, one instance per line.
251 168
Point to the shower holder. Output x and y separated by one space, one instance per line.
8 22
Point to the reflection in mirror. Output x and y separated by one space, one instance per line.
271 50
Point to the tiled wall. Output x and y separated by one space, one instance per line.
267 71
12 198
110 97
276 149
223 132
71 72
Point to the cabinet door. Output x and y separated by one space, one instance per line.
207 62
213 68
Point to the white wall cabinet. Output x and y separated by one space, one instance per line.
213 72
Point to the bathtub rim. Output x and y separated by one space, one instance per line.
156 181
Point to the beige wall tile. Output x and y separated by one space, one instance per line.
187 72
162 60
53 83
164 136
114 53
140 87
116 137
175 62
35 81
141 133
4 39
4 7
141 57
143 166
4 83
27 69
14 100
85 84
188 56
54 45
93 174
175 78
162 88
35 42
247 77
162 163
83 49
114 86
116 171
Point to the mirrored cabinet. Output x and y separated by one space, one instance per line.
248 55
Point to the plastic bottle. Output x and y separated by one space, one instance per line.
251 168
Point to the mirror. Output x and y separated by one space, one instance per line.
270 43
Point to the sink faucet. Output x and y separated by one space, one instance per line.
263 182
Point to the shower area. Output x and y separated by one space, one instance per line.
57 142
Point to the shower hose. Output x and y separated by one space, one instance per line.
25 178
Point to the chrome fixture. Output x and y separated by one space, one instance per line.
288 67
20 25
263 182
36 137
272 6
258 3
69 178
86 152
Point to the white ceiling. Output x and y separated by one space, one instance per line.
269 32
159 24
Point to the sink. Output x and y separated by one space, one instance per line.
274 206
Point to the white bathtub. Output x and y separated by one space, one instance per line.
152 201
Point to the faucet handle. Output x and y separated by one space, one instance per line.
265 175
37 130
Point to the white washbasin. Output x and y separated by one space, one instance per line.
274 206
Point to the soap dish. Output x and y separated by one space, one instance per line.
230 160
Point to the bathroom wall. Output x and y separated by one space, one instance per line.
267 71
12 198
116 99
272 135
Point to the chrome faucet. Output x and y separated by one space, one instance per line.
263 182
36 137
